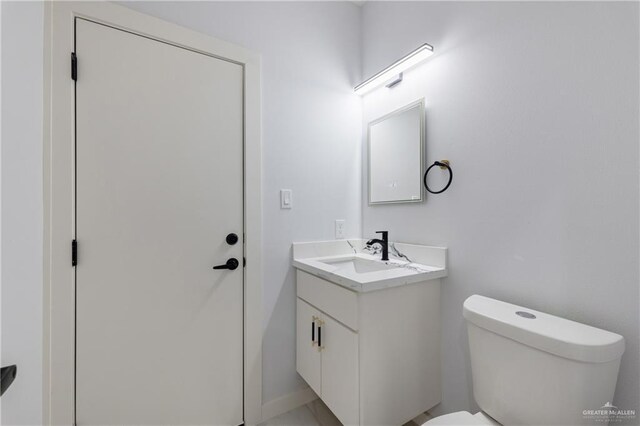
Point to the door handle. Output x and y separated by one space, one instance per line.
319 326
313 330
231 264
7 375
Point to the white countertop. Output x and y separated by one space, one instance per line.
344 262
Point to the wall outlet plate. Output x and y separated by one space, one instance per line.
340 229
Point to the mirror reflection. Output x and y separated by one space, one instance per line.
396 152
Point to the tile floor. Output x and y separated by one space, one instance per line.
316 414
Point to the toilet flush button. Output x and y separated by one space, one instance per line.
527 315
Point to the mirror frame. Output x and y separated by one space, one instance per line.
421 104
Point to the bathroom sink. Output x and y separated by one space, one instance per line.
346 263
364 272
358 265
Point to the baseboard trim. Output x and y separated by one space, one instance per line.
288 402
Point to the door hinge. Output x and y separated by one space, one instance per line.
74 66
244 262
74 253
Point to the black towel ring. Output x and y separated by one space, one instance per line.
444 164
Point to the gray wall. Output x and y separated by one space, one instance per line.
536 106
21 224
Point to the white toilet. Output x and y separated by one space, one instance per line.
531 368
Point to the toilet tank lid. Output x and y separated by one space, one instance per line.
559 336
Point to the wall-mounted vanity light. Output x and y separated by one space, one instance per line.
395 69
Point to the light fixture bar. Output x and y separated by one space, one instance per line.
399 66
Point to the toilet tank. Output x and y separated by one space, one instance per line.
531 368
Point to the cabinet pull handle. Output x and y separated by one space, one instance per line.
320 337
314 320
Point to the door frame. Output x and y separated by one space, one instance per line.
59 195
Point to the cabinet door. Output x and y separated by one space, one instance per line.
307 353
340 385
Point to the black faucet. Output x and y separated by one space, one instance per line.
384 243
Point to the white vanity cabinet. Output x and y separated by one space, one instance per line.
372 357
328 360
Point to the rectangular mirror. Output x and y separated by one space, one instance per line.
396 156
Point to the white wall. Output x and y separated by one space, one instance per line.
21 225
311 138
536 105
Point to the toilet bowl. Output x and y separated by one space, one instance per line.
532 368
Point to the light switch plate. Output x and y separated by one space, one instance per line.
286 199
340 229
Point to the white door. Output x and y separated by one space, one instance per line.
159 186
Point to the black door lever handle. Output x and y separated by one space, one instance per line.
7 375
231 264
